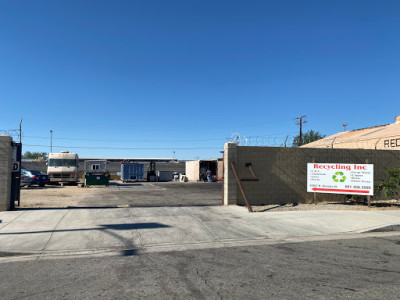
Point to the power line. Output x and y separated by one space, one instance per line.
121 141
137 141
128 148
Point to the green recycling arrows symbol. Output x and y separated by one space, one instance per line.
342 178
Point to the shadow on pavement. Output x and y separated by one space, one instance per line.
125 184
68 207
118 206
131 226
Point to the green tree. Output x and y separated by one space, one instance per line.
308 137
34 155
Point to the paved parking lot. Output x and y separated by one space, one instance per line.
139 194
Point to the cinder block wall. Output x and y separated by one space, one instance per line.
5 171
35 165
283 171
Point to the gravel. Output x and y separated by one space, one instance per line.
375 205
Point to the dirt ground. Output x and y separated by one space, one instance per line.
142 194
120 194
55 196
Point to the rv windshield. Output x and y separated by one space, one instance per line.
62 162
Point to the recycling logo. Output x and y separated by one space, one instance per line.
339 177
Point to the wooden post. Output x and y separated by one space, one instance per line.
315 194
368 197
241 187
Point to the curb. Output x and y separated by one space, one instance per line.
385 228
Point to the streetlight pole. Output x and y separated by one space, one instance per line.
51 141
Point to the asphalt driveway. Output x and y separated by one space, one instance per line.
138 194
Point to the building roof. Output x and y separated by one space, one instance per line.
130 159
383 137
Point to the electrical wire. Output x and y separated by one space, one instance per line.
128 148
137 141
119 141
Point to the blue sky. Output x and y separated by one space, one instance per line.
146 78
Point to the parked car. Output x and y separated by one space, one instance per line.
25 179
35 177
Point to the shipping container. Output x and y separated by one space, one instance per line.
131 172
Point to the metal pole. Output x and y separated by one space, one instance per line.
20 131
51 141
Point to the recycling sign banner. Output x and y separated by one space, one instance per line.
349 179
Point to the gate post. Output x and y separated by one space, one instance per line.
230 185
5 171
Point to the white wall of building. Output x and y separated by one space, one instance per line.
192 170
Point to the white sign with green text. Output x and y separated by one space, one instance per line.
352 179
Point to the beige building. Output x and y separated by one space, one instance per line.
383 137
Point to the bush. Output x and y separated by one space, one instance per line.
390 188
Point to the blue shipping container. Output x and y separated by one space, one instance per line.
131 171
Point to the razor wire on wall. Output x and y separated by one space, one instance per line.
266 141
385 142
14 133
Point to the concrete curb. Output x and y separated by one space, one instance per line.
385 228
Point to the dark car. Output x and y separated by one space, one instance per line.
25 179
35 177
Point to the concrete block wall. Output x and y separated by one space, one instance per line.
283 171
35 165
5 171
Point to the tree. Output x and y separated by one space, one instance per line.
308 137
34 155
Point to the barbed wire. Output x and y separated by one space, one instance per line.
389 141
262 141
14 133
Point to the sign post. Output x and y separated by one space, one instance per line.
348 179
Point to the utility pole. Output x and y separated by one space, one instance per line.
344 126
51 141
300 123
20 131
